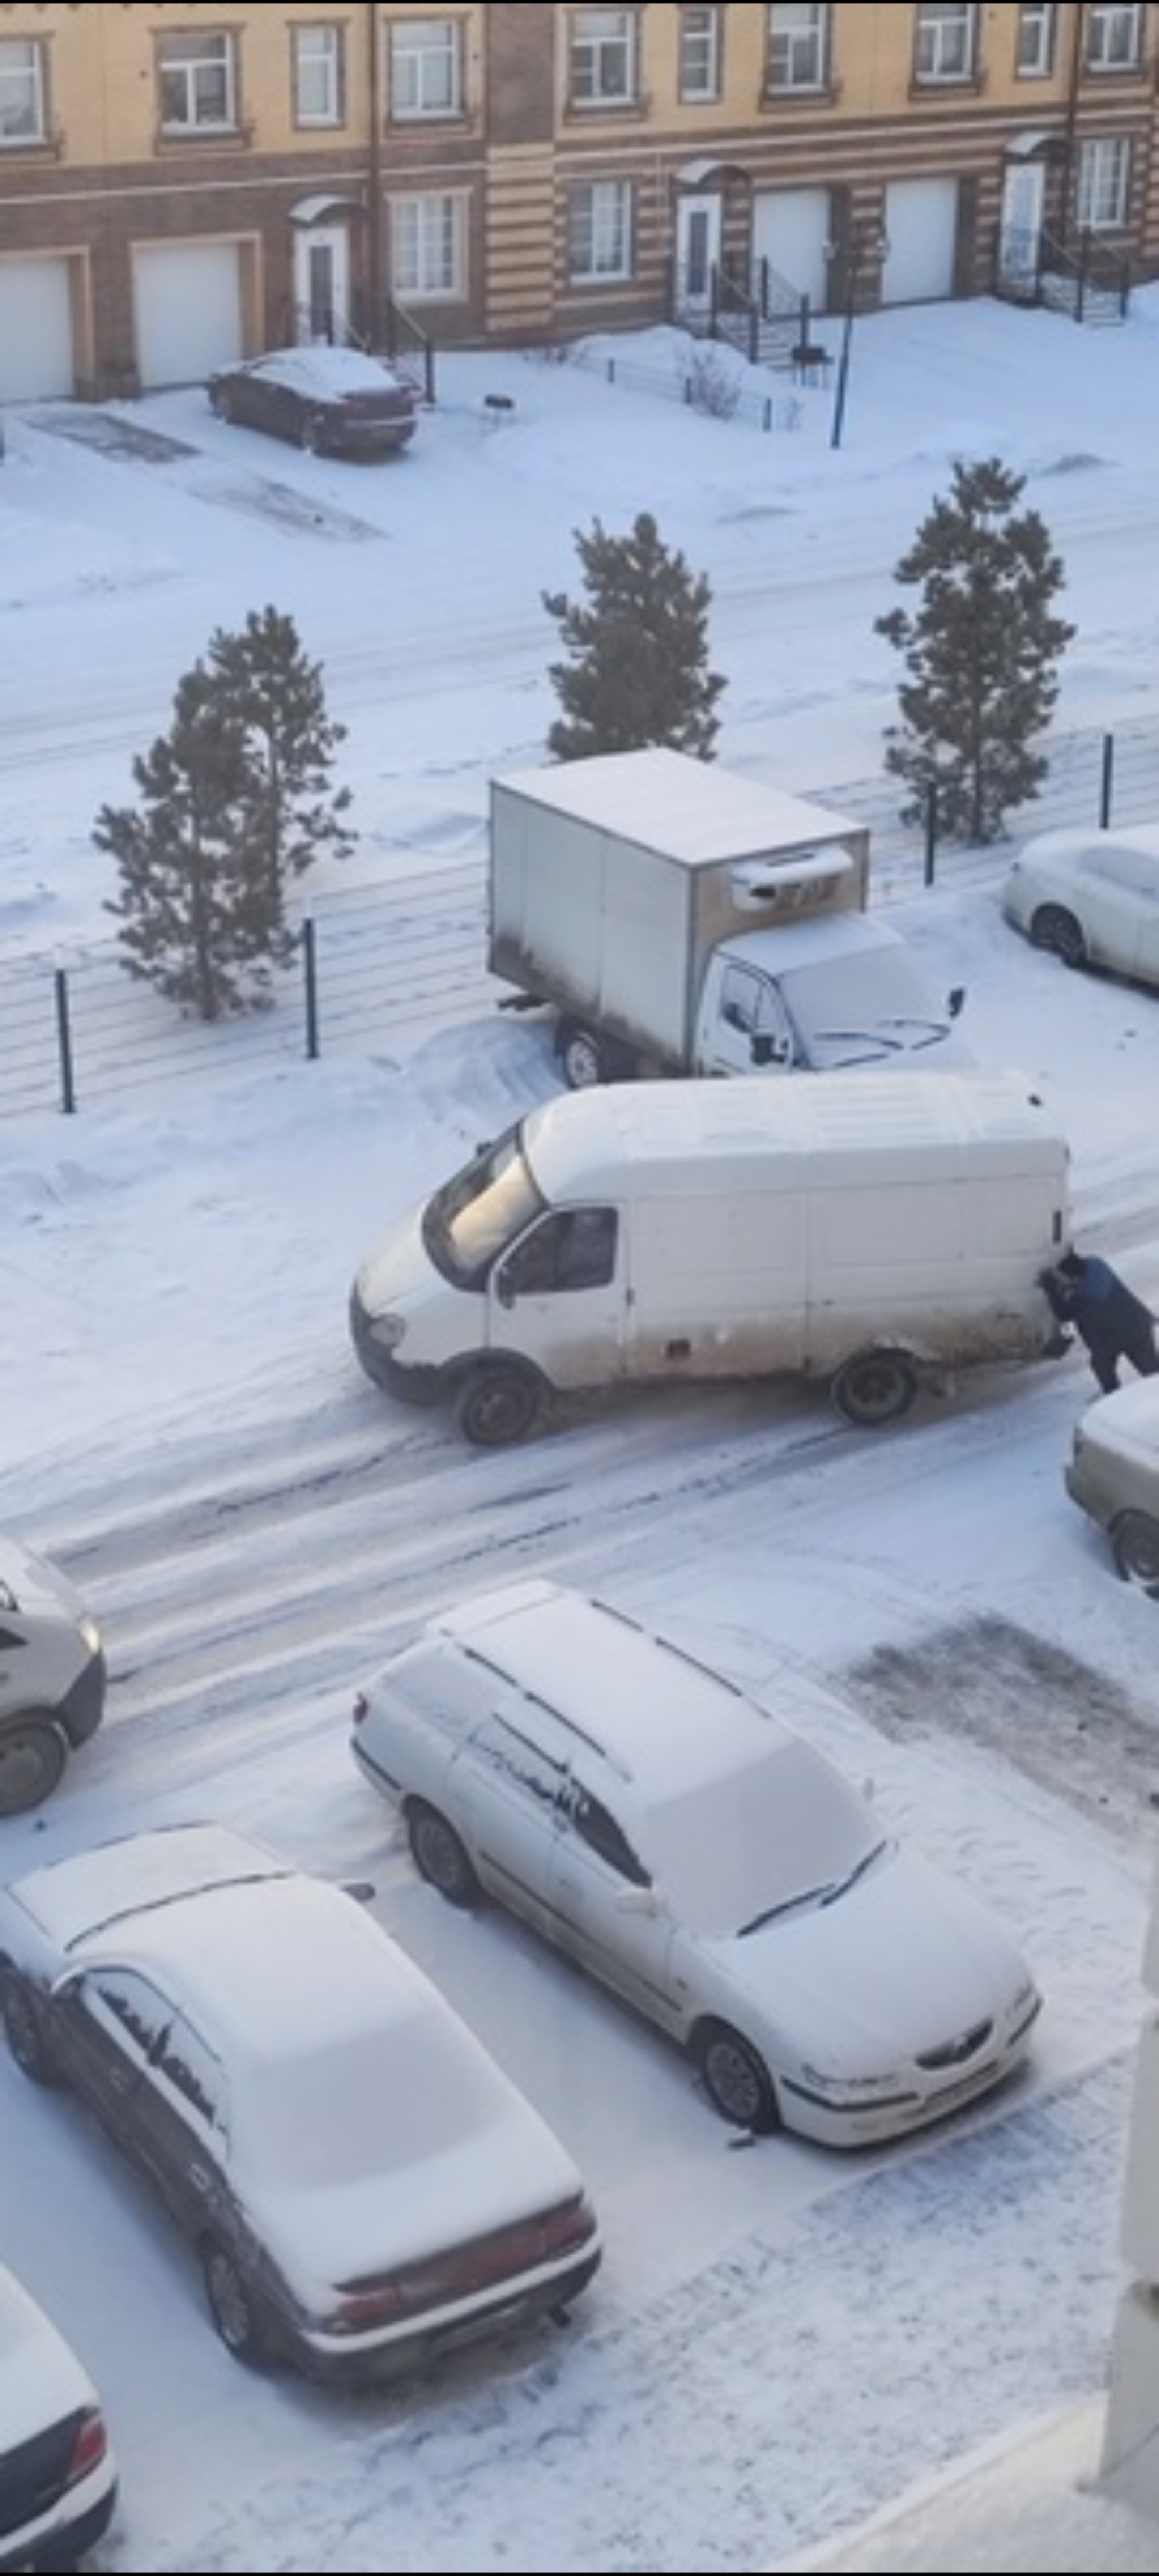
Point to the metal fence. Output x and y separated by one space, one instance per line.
406 958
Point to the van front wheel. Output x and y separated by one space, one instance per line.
33 1753
498 1406
875 1387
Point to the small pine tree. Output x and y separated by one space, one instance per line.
980 650
638 672
197 919
275 693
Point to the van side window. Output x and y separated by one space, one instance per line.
571 1249
596 1826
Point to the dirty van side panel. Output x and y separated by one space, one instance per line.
718 1283
946 1267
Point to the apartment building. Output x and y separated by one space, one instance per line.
181 184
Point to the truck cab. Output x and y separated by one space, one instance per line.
838 992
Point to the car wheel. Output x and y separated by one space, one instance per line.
24 2030
1056 930
1135 1540
33 1753
439 1855
498 1405
875 1387
736 2079
232 2306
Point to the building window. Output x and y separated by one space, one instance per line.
198 83
318 76
603 57
426 67
23 109
946 42
1114 39
600 232
798 48
1104 182
1036 29
699 55
428 248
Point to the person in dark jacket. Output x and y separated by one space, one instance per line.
1112 1321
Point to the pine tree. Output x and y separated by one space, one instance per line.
980 650
197 918
638 672
275 693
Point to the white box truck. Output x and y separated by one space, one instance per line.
681 919
860 1233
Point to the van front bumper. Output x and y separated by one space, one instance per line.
410 1385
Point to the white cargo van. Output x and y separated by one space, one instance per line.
849 1231
52 1676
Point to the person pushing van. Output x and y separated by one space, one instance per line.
1109 1318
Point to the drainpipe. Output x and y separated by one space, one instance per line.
374 174
1078 35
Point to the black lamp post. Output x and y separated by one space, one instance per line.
867 242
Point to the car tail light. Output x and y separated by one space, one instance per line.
90 2444
485 2263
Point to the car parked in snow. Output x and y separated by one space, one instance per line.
1092 898
681 1844
52 1676
363 2184
58 2473
340 402
1113 1474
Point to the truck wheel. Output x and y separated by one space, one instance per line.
33 1753
499 1405
875 1387
1135 1540
589 1059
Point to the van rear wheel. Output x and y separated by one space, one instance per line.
875 1387
499 1405
33 1753
1135 1540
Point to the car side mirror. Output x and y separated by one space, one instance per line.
955 1000
505 1288
637 1900
363 1890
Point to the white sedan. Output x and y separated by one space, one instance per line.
1091 898
363 2185
678 1842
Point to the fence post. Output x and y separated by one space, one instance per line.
1107 778
931 834
64 1043
310 961
767 413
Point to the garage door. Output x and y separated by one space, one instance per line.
790 230
921 219
35 330
188 310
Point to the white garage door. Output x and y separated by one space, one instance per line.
188 309
790 230
921 219
35 330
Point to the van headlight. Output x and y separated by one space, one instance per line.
388 1330
90 1635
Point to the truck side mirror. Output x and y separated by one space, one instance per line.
955 1000
765 1048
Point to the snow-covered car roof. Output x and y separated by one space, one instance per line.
326 374
118 1881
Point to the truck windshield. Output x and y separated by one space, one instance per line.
863 1010
472 1219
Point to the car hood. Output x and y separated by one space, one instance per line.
35 1586
901 1964
398 1271
324 2234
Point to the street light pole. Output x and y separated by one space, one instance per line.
862 243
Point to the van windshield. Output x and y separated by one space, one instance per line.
473 1218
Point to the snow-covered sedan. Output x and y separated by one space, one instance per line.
363 2184
340 402
58 2475
1090 897
683 1845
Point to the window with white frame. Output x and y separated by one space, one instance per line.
603 58
426 67
1114 38
318 75
946 41
600 232
428 247
198 77
699 54
23 103
798 48
1104 179
1036 32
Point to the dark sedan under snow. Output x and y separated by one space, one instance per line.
338 402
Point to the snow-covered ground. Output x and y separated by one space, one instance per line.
779 2338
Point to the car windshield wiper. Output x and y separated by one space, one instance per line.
858 1870
808 1896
